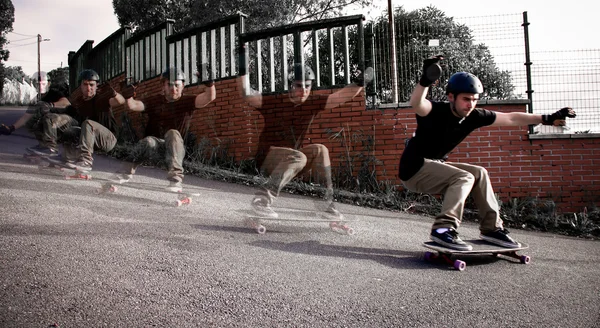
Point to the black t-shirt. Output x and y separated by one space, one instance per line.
282 130
164 115
438 134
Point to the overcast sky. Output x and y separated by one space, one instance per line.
69 23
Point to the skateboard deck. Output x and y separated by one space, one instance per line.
44 162
255 222
184 197
480 246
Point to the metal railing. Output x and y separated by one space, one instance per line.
146 52
212 46
77 63
108 57
335 58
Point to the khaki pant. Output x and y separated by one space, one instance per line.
282 164
171 148
52 124
456 181
94 135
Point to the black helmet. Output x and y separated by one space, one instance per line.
296 73
463 82
89 75
173 74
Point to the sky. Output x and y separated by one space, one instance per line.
69 23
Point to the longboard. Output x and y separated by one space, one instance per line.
444 254
183 198
255 222
45 162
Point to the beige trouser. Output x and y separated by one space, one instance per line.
282 164
171 148
456 181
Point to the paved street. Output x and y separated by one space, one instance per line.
71 258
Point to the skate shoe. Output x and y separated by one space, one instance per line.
174 186
500 237
121 178
43 151
262 208
450 239
331 213
81 166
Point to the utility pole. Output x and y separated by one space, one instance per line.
39 95
39 75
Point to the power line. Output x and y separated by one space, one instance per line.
22 45
33 36
22 39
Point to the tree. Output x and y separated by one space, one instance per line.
15 73
7 18
414 30
144 14
59 74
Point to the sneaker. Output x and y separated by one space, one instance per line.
81 166
43 151
262 208
500 237
450 239
121 178
331 213
174 186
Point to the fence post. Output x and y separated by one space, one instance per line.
394 68
528 66
370 61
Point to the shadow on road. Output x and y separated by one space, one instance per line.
391 258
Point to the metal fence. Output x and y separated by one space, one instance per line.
568 78
107 58
211 49
146 52
333 48
491 47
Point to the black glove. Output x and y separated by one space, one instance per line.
558 118
7 130
431 71
365 77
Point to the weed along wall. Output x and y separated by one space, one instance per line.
369 144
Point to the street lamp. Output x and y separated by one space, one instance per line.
39 38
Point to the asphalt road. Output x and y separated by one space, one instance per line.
71 258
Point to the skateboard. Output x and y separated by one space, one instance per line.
256 222
183 198
44 162
444 254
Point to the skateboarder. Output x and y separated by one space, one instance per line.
283 151
441 126
38 117
169 117
92 111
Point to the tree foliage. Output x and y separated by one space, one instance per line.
15 73
144 14
7 18
60 74
456 43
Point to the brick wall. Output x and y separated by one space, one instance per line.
563 169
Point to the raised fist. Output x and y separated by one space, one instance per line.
431 71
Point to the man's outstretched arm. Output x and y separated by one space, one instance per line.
519 119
